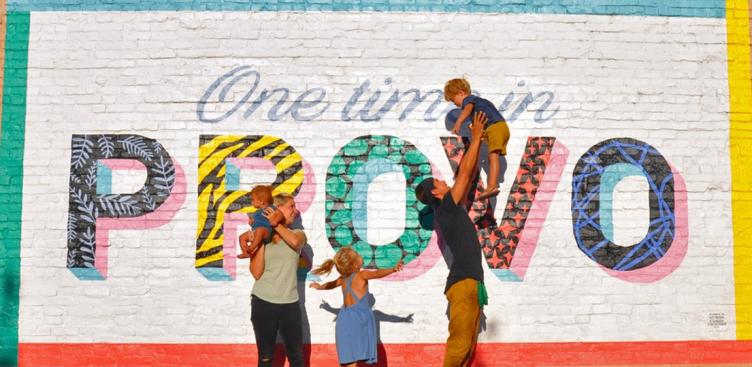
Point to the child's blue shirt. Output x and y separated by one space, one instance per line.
482 104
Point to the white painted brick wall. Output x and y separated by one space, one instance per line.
659 80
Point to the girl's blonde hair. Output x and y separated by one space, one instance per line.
454 86
345 260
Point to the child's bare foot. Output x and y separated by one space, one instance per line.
245 251
491 191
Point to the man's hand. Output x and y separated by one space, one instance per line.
479 124
316 285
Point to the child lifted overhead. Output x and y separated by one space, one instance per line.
261 198
496 130
355 329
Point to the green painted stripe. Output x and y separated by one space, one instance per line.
11 180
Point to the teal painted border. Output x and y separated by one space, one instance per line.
362 179
232 176
215 274
670 8
11 180
506 275
104 180
611 176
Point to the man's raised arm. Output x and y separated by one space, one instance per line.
469 163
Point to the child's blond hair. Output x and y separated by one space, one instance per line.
454 86
344 260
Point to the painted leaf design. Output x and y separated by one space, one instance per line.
88 243
157 147
136 145
165 176
148 201
89 212
91 177
81 153
72 220
106 146
120 205
71 261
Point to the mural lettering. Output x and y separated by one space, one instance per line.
508 245
222 206
362 104
515 238
350 172
593 181
93 209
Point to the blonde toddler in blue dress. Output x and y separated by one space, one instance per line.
355 330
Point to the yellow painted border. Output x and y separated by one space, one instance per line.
740 131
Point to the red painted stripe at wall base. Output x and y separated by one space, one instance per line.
488 354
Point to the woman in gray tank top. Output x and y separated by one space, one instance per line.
274 298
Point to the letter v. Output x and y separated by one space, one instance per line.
526 208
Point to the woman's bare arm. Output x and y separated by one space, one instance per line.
258 263
295 239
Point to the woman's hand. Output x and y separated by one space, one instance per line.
275 217
316 285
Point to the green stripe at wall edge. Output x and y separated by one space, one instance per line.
11 180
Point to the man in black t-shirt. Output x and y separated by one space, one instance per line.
464 287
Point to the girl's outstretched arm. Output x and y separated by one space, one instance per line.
376 274
328 285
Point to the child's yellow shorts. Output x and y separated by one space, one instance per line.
497 135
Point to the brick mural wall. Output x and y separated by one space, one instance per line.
132 132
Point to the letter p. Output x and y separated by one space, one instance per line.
93 209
